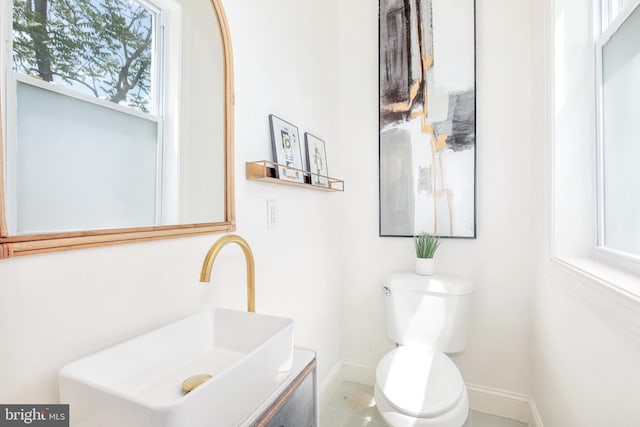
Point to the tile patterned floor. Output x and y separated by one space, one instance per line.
354 406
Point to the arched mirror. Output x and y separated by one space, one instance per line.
117 122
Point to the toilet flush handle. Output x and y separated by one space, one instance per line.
387 291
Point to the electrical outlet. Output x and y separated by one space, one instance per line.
272 214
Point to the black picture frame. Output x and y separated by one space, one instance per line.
316 156
402 97
287 153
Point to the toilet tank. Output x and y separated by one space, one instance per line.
432 311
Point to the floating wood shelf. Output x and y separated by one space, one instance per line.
267 171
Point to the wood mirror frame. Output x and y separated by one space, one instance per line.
11 246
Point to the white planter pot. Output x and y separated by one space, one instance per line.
425 266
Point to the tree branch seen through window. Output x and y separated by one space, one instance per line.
100 47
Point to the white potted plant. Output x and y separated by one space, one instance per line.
426 246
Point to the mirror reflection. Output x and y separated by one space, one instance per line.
114 115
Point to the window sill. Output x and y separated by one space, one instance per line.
617 280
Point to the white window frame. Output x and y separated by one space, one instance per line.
611 21
166 57
609 10
567 96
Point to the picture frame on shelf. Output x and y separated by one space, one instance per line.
287 152
316 160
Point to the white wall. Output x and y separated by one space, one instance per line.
571 56
58 307
585 353
285 64
498 261
586 336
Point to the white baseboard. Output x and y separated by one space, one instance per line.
534 415
330 385
503 403
358 373
482 399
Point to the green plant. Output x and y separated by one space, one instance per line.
426 245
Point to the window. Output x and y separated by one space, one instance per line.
99 47
610 9
618 68
84 103
575 192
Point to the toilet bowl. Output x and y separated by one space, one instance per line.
416 387
417 384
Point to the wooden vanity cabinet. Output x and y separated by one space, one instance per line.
297 405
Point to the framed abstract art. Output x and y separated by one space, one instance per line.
427 139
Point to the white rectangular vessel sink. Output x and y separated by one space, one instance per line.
138 383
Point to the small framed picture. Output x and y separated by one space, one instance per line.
317 160
286 149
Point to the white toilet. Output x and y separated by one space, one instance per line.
417 385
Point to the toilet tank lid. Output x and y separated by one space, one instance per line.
436 284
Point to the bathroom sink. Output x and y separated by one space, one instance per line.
138 383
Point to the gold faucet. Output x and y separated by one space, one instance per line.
205 275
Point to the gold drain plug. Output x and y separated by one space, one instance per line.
194 381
